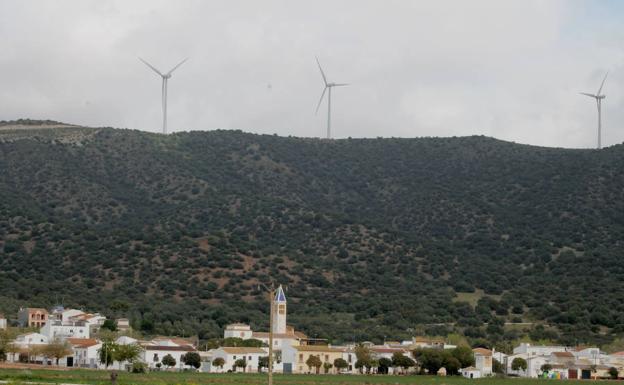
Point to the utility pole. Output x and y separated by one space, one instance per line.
271 291
271 295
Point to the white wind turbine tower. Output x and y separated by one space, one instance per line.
165 78
598 98
328 86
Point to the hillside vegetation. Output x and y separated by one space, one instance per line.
372 237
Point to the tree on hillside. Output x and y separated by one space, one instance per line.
263 362
340 364
169 361
464 355
613 372
239 342
192 359
519 364
241 363
383 365
451 364
314 362
32 351
11 350
110 324
497 367
127 353
364 358
218 362
57 350
399 360
326 367
106 353
546 368
429 359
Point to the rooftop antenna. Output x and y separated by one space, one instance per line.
165 78
598 96
328 86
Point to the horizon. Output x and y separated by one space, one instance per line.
70 125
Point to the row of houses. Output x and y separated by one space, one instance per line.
292 349
562 362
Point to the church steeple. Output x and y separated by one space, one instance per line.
279 311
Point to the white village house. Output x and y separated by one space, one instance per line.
230 355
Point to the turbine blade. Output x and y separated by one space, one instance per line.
320 100
179 64
590 95
151 66
322 73
340 84
602 84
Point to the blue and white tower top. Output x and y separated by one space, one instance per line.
279 311
279 295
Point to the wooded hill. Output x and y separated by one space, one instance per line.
372 237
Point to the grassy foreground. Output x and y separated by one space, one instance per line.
93 377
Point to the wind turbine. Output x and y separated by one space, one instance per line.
598 98
165 78
328 86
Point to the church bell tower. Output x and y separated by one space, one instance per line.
279 311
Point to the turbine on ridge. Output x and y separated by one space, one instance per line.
165 78
598 98
328 86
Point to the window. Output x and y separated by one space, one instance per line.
155 357
249 358
326 357
234 357
300 357
275 343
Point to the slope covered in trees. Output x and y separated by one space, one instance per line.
373 237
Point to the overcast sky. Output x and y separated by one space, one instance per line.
508 69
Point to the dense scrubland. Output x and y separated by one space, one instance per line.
374 238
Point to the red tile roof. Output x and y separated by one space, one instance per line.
83 342
482 351
183 348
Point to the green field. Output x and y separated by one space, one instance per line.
165 378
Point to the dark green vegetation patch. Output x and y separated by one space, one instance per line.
373 237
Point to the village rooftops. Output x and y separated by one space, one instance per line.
482 351
295 335
618 354
242 350
428 339
83 342
318 348
162 340
563 354
33 309
238 326
386 349
183 348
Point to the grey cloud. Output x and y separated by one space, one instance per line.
505 69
